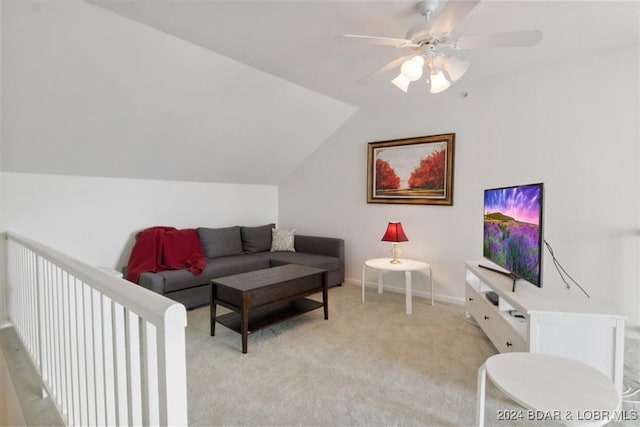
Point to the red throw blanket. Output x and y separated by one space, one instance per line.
165 248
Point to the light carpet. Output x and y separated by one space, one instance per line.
369 364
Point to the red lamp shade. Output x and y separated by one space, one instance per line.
394 233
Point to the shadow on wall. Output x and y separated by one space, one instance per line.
123 260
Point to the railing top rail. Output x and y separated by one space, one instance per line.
152 307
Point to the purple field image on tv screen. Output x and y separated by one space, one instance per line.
512 233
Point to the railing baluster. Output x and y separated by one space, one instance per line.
119 351
144 371
33 289
133 367
67 345
108 361
23 296
98 372
82 367
40 317
108 352
44 323
21 293
49 323
172 385
150 374
73 341
63 347
57 312
88 352
29 304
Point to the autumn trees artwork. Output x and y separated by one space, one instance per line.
386 177
429 175
413 170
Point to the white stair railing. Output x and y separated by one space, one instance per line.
109 352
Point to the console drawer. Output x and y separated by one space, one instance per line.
505 338
500 330
477 305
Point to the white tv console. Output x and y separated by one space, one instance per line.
556 321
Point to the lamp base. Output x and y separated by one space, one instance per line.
395 253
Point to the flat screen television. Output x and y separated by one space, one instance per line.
513 230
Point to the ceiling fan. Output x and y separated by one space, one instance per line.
427 40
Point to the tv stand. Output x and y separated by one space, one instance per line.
504 273
551 320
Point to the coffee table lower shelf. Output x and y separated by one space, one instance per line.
261 298
266 317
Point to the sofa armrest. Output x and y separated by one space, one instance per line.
152 281
328 246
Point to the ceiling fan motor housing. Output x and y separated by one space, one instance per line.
421 35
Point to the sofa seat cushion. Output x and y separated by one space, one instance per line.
328 263
175 280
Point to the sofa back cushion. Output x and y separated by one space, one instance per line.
218 242
256 239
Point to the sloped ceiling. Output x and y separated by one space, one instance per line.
90 93
235 91
300 41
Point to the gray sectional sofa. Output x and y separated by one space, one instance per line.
234 250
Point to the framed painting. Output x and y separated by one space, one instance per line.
412 170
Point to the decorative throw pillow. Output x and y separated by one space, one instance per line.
282 240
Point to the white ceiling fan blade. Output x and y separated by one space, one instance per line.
384 69
383 41
452 13
511 39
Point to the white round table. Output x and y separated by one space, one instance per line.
383 265
550 388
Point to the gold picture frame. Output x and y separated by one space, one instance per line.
417 171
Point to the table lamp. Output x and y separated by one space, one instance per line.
395 234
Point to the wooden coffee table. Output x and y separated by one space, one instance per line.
263 297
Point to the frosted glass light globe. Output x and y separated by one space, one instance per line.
401 82
456 68
438 82
412 68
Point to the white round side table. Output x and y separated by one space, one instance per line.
550 388
383 265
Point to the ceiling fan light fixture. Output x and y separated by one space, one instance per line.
439 82
412 68
456 68
427 40
401 82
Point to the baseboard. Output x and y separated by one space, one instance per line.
416 293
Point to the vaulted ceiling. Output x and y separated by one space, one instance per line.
235 91
300 41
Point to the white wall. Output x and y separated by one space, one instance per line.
90 93
560 125
95 219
